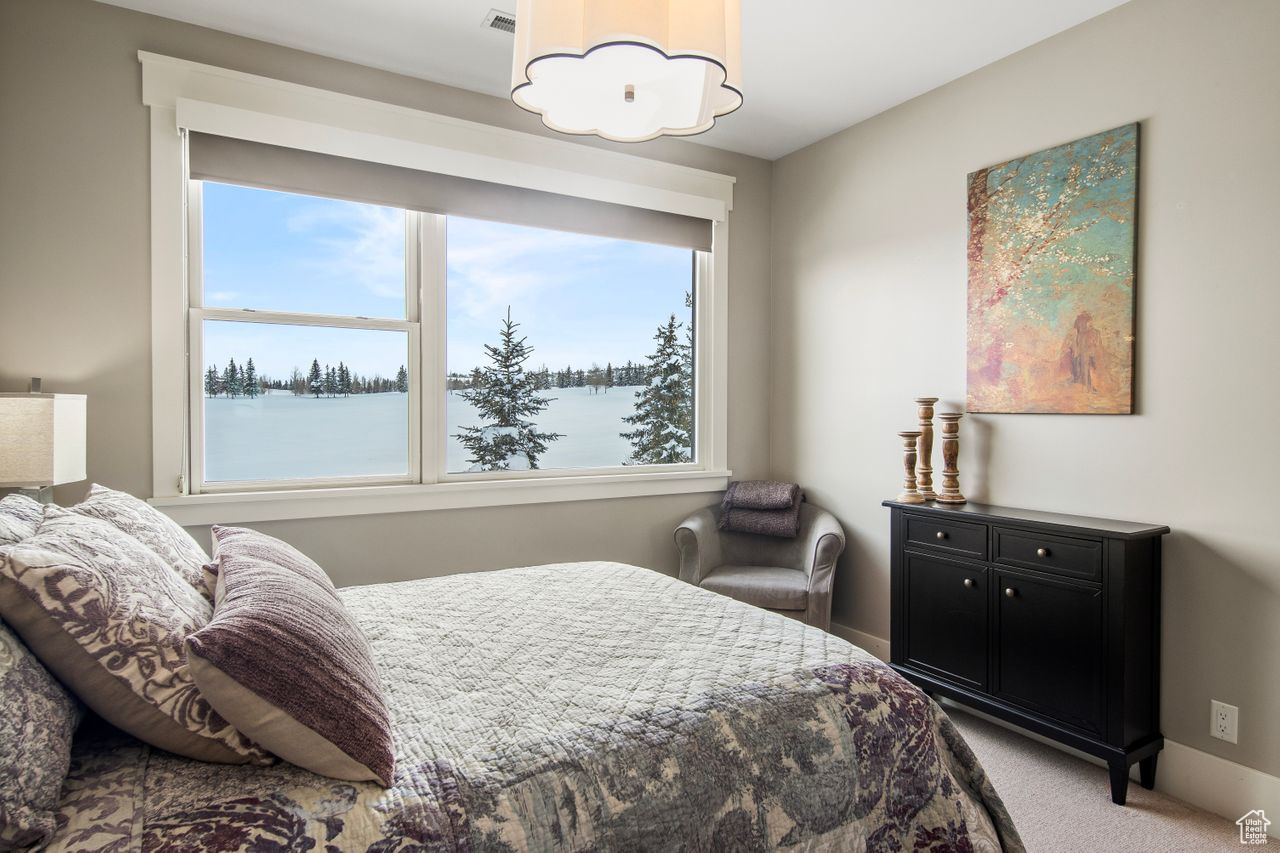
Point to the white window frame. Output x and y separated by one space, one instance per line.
184 95
198 313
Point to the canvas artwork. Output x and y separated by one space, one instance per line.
1051 277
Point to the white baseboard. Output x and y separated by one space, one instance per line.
1191 775
1215 784
866 642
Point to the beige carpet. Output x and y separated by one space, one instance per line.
1062 804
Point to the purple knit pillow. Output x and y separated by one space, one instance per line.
283 661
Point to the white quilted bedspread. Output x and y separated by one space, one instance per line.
583 706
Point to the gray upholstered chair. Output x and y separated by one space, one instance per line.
790 576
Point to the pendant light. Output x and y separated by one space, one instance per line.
627 70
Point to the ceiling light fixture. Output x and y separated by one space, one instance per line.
628 70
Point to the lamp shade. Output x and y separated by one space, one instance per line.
42 439
628 70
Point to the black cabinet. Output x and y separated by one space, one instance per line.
1048 621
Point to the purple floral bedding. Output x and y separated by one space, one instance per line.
585 706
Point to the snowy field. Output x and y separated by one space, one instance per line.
281 436
591 424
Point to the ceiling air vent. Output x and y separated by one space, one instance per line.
504 21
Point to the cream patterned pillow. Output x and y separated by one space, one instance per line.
152 528
37 719
109 618
19 518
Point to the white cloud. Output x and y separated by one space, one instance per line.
492 265
372 255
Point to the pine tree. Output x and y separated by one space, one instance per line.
251 387
506 400
402 380
330 384
344 380
233 380
608 375
315 379
211 382
664 406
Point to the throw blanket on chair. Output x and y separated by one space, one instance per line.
763 507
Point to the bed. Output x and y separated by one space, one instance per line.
584 706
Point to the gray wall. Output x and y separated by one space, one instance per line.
869 312
75 281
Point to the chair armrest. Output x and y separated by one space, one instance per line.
698 539
823 543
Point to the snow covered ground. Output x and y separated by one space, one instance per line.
281 436
591 424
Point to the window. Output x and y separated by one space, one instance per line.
564 351
567 350
221 454
304 320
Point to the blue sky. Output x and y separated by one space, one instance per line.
578 298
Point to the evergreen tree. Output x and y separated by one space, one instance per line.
330 383
608 375
402 380
506 401
663 420
232 380
211 382
251 387
344 380
315 379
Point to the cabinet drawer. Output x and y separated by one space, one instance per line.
962 538
1058 555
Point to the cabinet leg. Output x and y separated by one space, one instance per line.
1119 781
1147 771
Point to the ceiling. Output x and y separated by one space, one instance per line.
810 68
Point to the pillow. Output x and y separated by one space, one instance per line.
19 518
108 618
284 661
164 536
37 719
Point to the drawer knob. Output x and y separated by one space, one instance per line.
1042 552
968 582
1011 592
941 534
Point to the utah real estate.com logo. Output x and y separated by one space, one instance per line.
1253 827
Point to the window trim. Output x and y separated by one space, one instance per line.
197 314
183 94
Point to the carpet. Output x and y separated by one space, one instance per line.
1062 804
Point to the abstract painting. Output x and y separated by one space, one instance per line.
1051 276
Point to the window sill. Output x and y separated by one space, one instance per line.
239 507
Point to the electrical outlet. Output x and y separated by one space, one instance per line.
1224 720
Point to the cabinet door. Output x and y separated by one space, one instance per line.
946 630
1049 648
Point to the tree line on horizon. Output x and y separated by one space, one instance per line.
596 377
243 381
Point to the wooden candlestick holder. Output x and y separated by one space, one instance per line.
910 495
950 493
924 470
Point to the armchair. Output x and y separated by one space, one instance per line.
789 576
